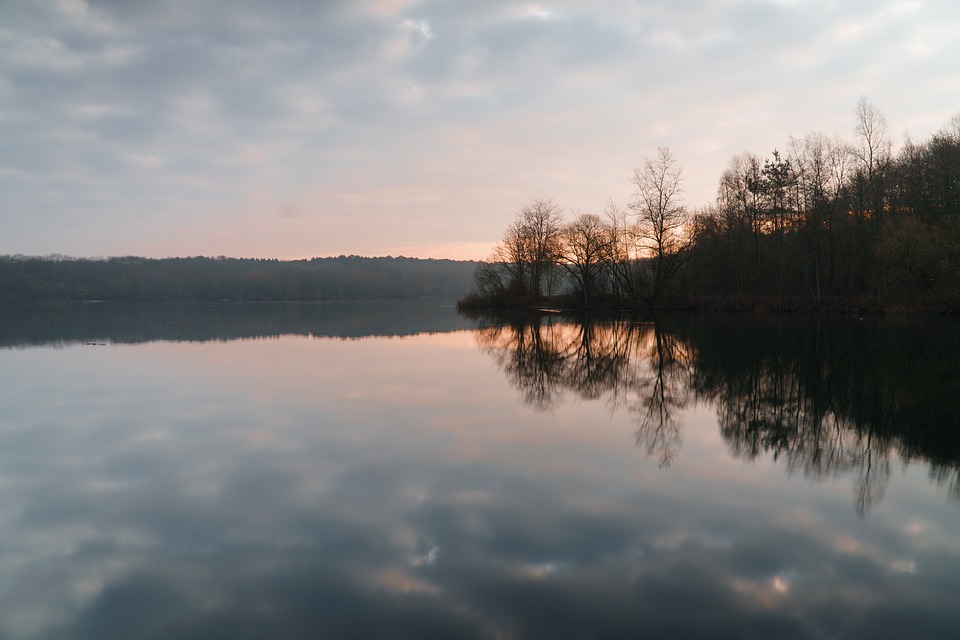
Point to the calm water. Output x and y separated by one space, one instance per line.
395 470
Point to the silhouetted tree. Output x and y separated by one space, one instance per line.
625 258
526 255
584 251
662 218
873 153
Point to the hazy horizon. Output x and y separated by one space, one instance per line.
63 256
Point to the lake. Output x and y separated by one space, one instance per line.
396 470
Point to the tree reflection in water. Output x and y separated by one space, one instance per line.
824 397
662 391
630 365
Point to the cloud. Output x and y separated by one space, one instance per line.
332 89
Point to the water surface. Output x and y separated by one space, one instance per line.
396 470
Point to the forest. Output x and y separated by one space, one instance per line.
829 224
27 279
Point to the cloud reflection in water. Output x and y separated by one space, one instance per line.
304 487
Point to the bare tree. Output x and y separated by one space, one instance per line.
873 148
873 151
841 160
810 158
740 203
624 254
540 222
953 126
662 218
491 280
529 249
584 254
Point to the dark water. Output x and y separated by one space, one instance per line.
395 470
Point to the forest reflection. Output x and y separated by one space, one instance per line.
823 397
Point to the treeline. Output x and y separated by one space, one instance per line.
829 224
25 278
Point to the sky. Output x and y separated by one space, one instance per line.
292 129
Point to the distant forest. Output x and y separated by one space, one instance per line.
24 278
828 224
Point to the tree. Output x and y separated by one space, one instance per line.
528 251
821 167
777 182
541 221
584 253
662 218
873 151
624 255
740 204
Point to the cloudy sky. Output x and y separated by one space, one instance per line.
297 128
